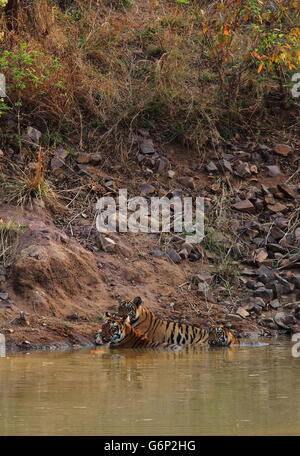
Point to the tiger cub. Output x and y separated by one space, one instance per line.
164 331
118 333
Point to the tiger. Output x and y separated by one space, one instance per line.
117 332
165 331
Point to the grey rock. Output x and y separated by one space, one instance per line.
173 256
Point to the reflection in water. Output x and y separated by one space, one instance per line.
238 390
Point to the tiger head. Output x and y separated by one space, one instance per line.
220 336
130 309
112 330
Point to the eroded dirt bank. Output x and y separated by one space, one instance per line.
59 274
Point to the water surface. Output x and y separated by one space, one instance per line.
222 391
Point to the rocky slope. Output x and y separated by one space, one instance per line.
60 274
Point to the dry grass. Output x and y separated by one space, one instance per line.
123 64
23 188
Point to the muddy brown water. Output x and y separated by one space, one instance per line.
222 391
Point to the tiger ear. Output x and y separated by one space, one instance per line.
107 315
137 301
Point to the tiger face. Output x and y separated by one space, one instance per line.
112 330
130 309
220 336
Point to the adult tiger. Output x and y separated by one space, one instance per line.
118 333
165 331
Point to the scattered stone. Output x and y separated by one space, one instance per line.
242 312
265 274
280 320
277 207
84 158
58 161
107 244
200 278
147 147
288 191
161 164
265 293
184 254
171 174
297 234
282 149
225 166
147 189
276 233
273 170
242 169
157 253
243 206
33 135
173 256
4 296
275 304
260 255
187 182
211 167
269 323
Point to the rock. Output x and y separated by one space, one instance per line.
242 169
187 182
295 279
265 274
33 135
265 293
200 278
58 160
269 323
288 191
84 158
275 304
277 207
211 167
242 312
273 170
282 149
276 233
260 255
4 296
161 164
243 206
184 254
107 244
157 253
171 174
147 189
297 234
280 320
173 256
225 165
146 146
187 246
